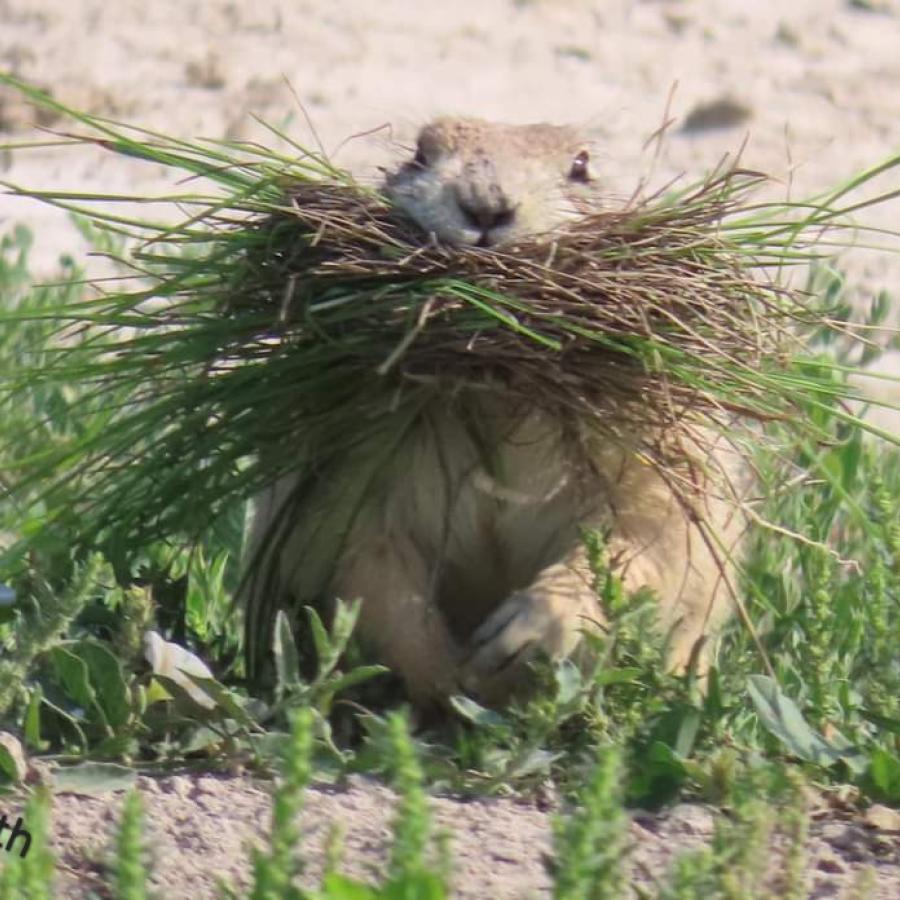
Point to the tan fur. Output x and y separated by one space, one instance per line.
473 170
465 544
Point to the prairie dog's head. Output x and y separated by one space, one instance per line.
480 183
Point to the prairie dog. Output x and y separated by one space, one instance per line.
464 541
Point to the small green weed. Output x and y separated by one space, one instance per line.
130 869
590 842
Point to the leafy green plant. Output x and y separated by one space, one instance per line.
329 649
821 590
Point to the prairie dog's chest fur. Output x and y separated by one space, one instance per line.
489 496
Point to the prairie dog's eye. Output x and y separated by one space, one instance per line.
580 170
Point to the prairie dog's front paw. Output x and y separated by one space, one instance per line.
526 625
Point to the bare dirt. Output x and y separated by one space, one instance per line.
808 91
200 830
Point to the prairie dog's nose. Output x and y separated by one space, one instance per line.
484 205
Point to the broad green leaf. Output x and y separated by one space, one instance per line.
569 681
340 887
322 642
91 778
32 726
68 718
12 759
284 648
617 676
155 692
356 676
536 760
687 731
782 717
658 775
475 713
884 772
73 677
224 699
189 698
107 680
418 886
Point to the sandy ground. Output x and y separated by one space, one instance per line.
200 830
813 88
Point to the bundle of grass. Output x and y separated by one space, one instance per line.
294 316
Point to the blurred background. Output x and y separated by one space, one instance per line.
807 91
